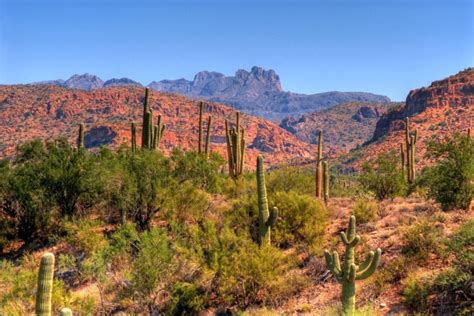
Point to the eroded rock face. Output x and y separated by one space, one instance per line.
28 111
344 126
455 92
437 111
99 136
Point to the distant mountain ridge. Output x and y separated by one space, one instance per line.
258 92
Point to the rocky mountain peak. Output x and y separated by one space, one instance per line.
84 82
117 82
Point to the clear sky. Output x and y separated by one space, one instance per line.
385 46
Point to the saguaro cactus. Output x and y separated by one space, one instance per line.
45 285
66 312
201 105
402 158
319 166
266 219
235 139
350 272
326 181
208 137
134 136
410 140
80 136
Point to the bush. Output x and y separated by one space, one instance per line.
453 293
290 178
383 176
186 299
415 293
302 220
422 239
462 240
364 210
257 275
451 181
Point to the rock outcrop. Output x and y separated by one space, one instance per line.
344 126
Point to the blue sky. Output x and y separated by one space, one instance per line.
386 46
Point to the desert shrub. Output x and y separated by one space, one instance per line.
151 271
185 204
186 299
383 176
462 244
85 236
201 172
415 293
364 210
256 275
389 273
452 292
450 181
290 178
422 239
302 220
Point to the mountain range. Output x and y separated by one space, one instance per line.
258 92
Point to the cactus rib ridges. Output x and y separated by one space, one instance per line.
266 219
45 285
350 272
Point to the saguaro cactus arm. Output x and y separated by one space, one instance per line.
273 217
80 136
66 312
372 266
333 263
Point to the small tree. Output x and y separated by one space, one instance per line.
383 176
451 181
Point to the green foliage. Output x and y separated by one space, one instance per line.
461 240
422 239
152 268
364 210
451 180
383 176
303 220
415 293
186 299
290 178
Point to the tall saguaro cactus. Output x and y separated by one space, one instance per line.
410 141
319 167
326 181
134 136
80 136
235 139
266 219
402 158
45 285
207 149
151 134
350 272
201 105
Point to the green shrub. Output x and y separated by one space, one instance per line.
257 275
383 176
302 220
186 299
453 293
364 210
290 178
462 240
451 181
415 293
422 239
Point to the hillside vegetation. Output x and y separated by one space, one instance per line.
135 231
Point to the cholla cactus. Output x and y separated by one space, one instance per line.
350 272
235 139
80 136
266 219
45 285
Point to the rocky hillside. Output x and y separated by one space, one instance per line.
344 126
28 111
258 92
443 108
